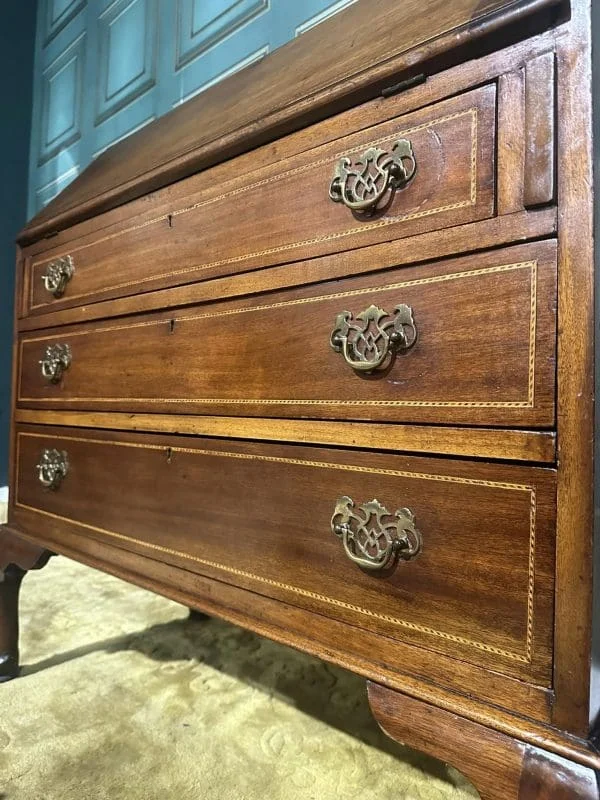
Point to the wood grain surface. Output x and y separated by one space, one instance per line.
491 443
460 596
284 212
210 427
476 236
484 353
577 621
540 115
501 768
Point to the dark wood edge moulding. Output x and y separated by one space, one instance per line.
501 444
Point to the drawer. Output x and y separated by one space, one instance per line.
474 343
451 556
437 164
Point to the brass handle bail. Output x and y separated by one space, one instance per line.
52 467
362 185
373 338
372 537
58 273
57 358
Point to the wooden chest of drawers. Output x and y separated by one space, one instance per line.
336 338
271 355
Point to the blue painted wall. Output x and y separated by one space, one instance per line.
17 38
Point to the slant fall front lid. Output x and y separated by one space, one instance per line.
350 57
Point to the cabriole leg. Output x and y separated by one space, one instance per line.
17 556
10 583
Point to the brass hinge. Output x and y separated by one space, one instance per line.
402 86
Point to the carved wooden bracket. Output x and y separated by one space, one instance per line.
500 767
14 549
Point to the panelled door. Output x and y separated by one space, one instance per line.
105 68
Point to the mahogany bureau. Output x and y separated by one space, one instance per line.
331 325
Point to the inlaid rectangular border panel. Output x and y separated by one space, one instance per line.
195 36
272 356
284 212
139 34
194 534
53 22
459 685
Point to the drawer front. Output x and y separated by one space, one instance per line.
443 173
470 574
475 344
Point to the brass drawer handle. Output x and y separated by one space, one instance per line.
52 468
56 360
58 273
372 537
368 342
375 175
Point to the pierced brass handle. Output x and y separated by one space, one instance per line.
56 360
52 468
369 341
372 537
58 273
362 185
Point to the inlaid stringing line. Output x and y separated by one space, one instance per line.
287 587
284 460
532 335
473 112
529 403
531 575
297 590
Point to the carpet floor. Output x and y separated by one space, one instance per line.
124 697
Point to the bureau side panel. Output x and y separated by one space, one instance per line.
575 398
595 668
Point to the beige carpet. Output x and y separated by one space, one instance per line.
123 697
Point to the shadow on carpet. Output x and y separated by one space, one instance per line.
125 697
